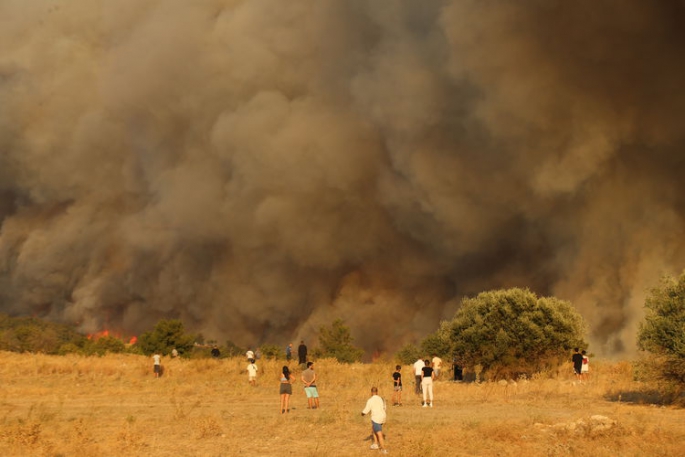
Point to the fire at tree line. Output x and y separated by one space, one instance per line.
497 334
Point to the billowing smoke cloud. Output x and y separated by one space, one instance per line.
258 168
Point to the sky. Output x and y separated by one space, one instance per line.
259 168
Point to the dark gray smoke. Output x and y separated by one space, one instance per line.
258 168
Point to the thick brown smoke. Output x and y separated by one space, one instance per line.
258 168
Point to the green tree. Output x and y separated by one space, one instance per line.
662 333
512 331
233 350
435 345
336 342
272 351
408 354
167 335
105 344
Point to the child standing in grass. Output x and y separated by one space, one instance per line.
397 386
585 367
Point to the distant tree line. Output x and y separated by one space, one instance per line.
501 333
29 334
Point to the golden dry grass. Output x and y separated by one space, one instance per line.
112 406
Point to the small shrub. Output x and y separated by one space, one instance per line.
272 351
336 342
167 335
409 354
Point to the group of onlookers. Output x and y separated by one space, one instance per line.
425 371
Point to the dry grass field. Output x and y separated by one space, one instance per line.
113 406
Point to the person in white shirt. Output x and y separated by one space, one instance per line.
157 361
437 365
418 375
376 406
252 374
585 367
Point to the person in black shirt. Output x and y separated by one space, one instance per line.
302 353
458 372
577 360
397 386
427 383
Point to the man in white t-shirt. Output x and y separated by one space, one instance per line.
376 406
418 374
157 361
437 365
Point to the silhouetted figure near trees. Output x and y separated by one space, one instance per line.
302 353
577 360
458 371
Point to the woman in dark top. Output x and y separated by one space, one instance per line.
427 383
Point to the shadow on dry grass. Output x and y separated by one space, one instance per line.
648 397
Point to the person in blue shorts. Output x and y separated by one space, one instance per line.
309 380
376 406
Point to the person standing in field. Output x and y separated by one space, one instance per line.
427 383
585 367
376 406
437 365
577 360
309 379
157 364
302 353
289 352
397 386
252 373
286 389
458 372
215 352
418 375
